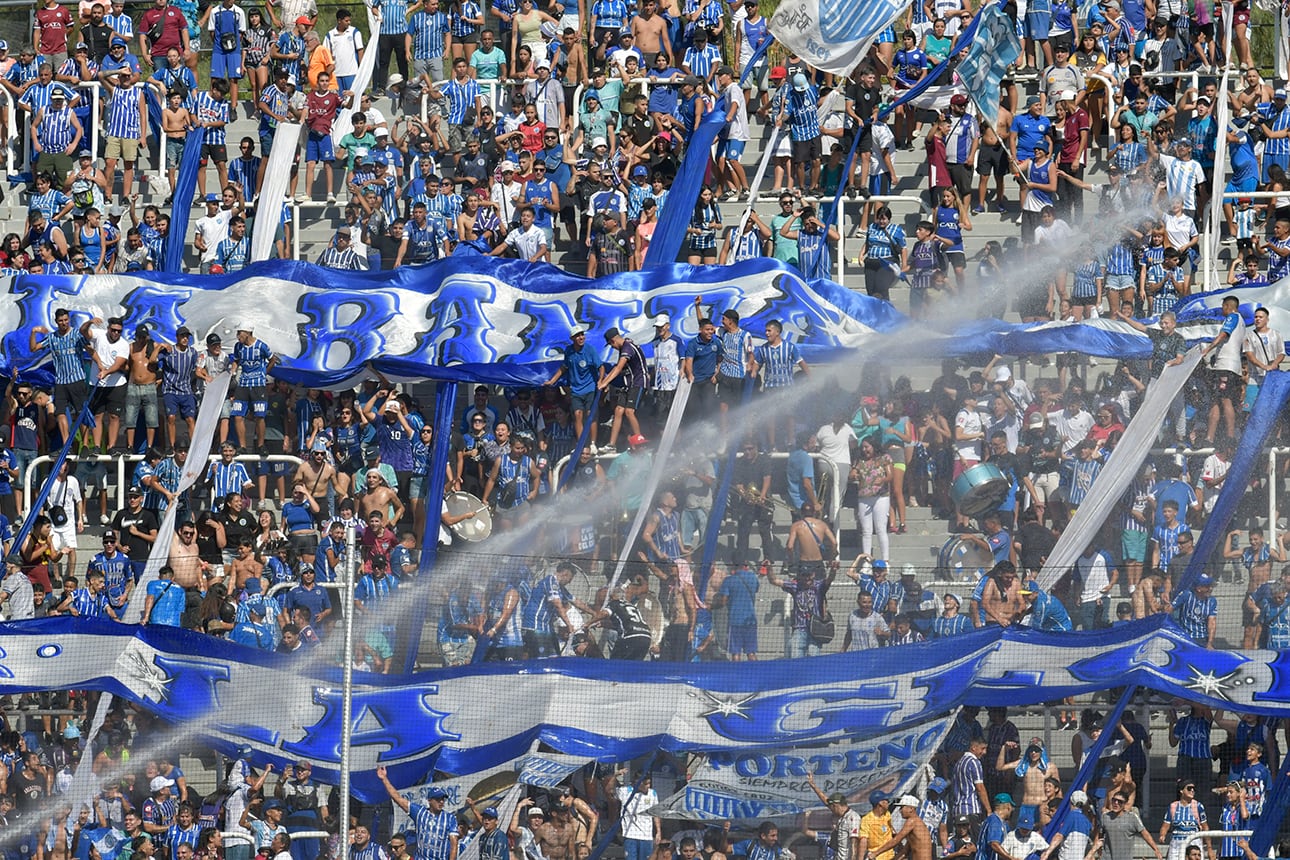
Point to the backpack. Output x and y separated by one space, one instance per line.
83 193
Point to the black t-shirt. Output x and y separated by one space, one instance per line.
388 247
146 521
865 101
625 618
751 472
639 128
1037 542
1038 441
236 526
98 37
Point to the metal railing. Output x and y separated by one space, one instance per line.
121 484
888 199
13 169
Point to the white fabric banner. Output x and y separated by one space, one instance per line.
277 174
751 785
1120 470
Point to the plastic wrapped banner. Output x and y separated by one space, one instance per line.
1125 463
752 785
277 175
237 697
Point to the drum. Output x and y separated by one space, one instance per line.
477 527
963 560
980 489
573 536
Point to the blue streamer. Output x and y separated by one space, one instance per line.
1275 805
719 503
445 399
182 195
576 453
670 233
935 73
1089 765
1273 394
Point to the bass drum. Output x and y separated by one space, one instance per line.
980 490
963 560
477 527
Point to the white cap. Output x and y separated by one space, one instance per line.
508 165
246 327
158 783
382 132
1078 798
1002 373
598 141
394 79
1066 96
908 800
661 320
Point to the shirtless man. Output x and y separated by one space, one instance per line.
650 30
141 389
809 536
1002 601
1149 597
175 124
184 558
244 565
56 846
914 833
1037 769
317 475
380 498
558 839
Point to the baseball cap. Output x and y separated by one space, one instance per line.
543 64
304 20
508 165
212 338
183 330
436 793
246 327
291 79
598 141
959 100
963 819
637 439
318 445
837 797
1042 144
591 94
661 320
1079 798
134 491
1279 94
4 46
72 732
778 73
212 198
640 170
1032 101
109 535
691 80
877 796
536 812
382 132
908 800
938 785
116 40
726 70
879 564
800 83
159 782
1003 797
1204 100
57 93
1026 821
1035 420
489 812
1203 580
611 334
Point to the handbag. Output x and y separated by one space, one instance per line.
58 512
821 627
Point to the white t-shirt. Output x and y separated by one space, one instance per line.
1179 229
527 243
344 49
636 824
22 601
969 421
1228 356
66 493
836 444
1214 469
1265 346
108 354
213 229
1073 428
738 125
1094 574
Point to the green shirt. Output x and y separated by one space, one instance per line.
349 143
488 65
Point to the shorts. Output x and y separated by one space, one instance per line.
250 400
457 653
992 160
266 143
226 65
1038 24
70 396
1133 545
318 147
805 151
731 149
1225 385
1247 186
742 639
1120 282
957 260
625 398
126 149
174 152
180 405
304 543
216 152
730 389
1241 18
879 185
1084 301
1249 617
471 38
1045 485
961 176
144 396
457 136
419 486
109 401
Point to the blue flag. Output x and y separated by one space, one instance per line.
995 48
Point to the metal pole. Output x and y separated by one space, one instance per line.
1214 229
1272 496
347 701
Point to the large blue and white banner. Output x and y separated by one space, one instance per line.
764 783
415 724
833 35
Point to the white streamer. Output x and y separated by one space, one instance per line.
344 123
277 173
1121 469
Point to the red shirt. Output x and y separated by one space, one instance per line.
321 111
938 170
532 135
1075 123
173 24
53 25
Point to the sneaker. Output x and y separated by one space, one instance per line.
977 210
302 198
1003 205
331 198
900 530
607 449
913 503
1229 240
104 520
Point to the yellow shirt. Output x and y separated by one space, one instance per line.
877 830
